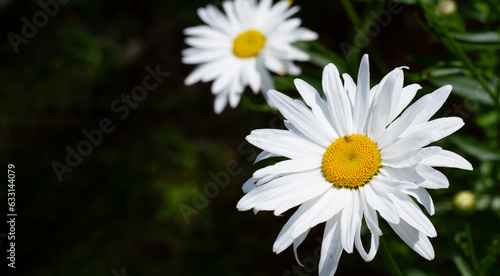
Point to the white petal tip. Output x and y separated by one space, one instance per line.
447 88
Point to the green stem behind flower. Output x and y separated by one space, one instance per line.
388 259
458 51
355 19
472 250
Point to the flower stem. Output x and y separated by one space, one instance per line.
473 256
388 259
362 26
351 12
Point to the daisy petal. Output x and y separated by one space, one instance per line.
331 248
220 102
337 99
350 220
331 203
283 193
382 203
301 117
387 184
249 184
384 103
412 214
407 174
284 143
361 103
411 158
300 217
401 124
414 239
288 166
448 159
433 179
407 95
350 88
423 197
438 98
370 214
264 155
302 195
296 244
422 135
373 246
318 105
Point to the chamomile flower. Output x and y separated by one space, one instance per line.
351 156
239 47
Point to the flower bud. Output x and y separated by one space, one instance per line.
446 7
465 201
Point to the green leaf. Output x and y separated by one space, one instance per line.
482 39
319 60
319 50
247 104
488 119
465 87
442 72
409 2
462 266
284 82
476 149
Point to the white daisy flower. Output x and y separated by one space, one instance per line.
238 48
350 157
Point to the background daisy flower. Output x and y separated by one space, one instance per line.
350 157
240 46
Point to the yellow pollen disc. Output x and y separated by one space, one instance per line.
248 44
351 161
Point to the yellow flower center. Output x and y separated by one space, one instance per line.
248 44
351 161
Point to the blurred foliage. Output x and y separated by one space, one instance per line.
127 205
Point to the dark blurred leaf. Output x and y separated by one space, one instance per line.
319 60
488 119
491 256
476 148
465 87
442 72
405 1
462 266
482 39
248 105
322 54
